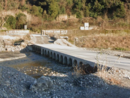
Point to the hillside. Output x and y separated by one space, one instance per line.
104 13
82 8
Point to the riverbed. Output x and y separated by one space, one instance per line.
32 64
65 83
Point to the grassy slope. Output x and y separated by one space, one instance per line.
113 39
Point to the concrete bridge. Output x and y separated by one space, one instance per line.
75 56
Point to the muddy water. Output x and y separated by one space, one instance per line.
35 65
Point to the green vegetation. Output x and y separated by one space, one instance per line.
15 22
10 22
82 8
36 10
100 11
108 16
53 9
121 49
21 20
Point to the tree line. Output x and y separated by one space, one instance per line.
82 8
50 9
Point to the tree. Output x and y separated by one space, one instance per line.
69 6
21 20
10 22
97 9
13 4
120 12
62 5
5 7
79 14
36 10
86 12
62 11
53 9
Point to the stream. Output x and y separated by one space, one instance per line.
33 64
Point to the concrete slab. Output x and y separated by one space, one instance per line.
92 56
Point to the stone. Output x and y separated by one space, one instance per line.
7 83
42 84
23 44
8 42
9 49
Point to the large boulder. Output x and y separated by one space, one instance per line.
42 84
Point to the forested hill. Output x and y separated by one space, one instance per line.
82 8
110 14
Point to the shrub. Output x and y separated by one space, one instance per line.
36 10
53 9
23 8
120 11
10 22
79 14
121 49
21 20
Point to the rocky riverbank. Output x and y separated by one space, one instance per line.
14 84
58 81
12 43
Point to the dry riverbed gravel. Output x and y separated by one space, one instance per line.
57 81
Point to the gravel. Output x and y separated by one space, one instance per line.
14 84
56 81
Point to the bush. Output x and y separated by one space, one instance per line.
79 14
36 10
121 49
120 11
21 20
10 22
23 8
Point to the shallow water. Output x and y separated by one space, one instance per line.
35 65
30 65
34 69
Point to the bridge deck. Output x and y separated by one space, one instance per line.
92 56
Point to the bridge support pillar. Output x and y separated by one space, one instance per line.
65 60
42 51
52 56
61 59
